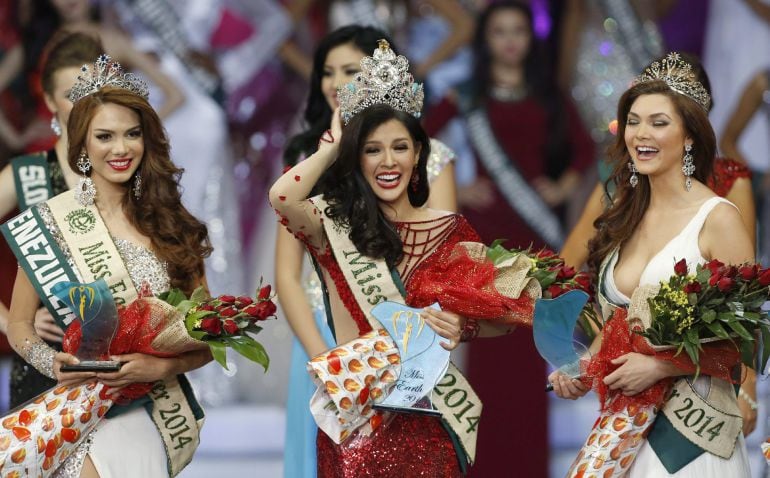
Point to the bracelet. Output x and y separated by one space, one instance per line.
745 396
470 331
41 356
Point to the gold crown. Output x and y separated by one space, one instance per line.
678 75
106 72
384 79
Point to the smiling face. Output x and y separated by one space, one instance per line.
509 36
387 161
655 135
57 101
341 65
114 144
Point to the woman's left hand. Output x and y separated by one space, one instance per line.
137 368
637 373
446 324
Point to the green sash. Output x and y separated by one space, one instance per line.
372 282
173 409
32 178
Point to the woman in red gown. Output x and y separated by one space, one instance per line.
376 203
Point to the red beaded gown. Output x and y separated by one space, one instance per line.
409 445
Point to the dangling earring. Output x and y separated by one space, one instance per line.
137 185
55 126
86 191
415 180
634 180
688 168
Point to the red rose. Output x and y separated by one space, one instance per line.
264 310
211 325
566 272
730 271
252 310
714 265
231 327
244 300
715 277
555 291
764 278
692 288
228 312
206 307
748 272
545 254
264 293
227 299
681 268
584 281
725 284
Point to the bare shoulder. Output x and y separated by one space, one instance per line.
724 235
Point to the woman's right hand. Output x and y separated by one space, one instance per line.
331 137
566 387
46 326
70 378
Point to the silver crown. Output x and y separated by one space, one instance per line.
678 75
384 79
106 72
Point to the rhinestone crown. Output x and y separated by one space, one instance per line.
106 72
384 79
678 75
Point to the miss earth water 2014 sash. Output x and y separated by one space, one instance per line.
174 409
32 179
453 397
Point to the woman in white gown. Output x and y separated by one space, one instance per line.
658 216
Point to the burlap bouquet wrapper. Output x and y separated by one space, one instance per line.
351 378
766 450
37 437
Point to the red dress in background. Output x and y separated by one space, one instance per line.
513 433
410 445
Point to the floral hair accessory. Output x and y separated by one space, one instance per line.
384 79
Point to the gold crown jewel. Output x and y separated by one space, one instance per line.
678 75
384 79
106 72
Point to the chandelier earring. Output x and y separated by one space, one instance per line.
415 180
55 126
138 185
688 167
85 193
634 179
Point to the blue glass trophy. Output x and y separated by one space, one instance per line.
94 306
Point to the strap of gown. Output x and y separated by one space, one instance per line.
692 230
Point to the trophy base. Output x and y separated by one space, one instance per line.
93 366
422 407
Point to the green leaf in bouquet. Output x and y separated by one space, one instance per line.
199 295
747 352
725 316
190 322
715 301
253 328
693 353
544 277
751 316
709 316
692 336
702 275
717 329
218 351
249 348
739 329
173 297
765 348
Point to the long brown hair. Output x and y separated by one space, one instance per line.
618 222
178 238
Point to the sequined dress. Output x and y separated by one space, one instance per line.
145 454
409 445
26 381
300 449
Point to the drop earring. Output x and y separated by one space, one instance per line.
688 167
634 179
85 193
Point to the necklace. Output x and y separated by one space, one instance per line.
508 93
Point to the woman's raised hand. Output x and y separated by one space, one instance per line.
446 324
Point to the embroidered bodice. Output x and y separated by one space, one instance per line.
425 243
683 246
142 264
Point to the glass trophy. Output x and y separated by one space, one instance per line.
423 361
94 307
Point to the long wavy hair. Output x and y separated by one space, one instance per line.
178 238
538 78
318 114
618 222
352 203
